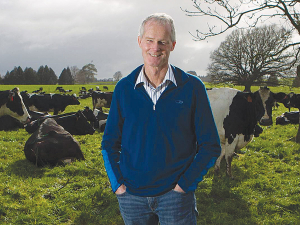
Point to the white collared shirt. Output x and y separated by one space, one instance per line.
153 92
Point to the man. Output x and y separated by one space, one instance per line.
160 138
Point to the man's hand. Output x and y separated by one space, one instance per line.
121 190
178 189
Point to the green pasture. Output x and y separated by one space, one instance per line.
265 190
52 88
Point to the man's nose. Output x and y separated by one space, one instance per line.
156 46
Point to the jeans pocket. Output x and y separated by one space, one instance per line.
179 193
121 195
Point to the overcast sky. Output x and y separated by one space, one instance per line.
62 33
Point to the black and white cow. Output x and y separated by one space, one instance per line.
294 101
236 115
11 103
101 99
56 103
51 144
8 123
34 115
75 123
101 117
288 118
89 114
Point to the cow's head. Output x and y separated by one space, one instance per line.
293 101
265 100
282 98
74 100
88 113
15 106
82 125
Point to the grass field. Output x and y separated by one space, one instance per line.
266 188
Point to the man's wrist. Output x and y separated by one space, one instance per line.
121 190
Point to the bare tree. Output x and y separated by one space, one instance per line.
80 77
246 56
117 76
74 71
245 13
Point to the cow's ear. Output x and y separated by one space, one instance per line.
249 98
11 96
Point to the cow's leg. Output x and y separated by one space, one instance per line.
55 112
229 153
228 164
219 159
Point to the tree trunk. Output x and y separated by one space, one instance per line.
247 88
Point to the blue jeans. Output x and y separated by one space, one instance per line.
172 208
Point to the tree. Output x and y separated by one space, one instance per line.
74 70
40 75
117 76
246 13
192 72
246 56
66 77
52 78
88 73
296 81
30 76
14 77
80 77
46 75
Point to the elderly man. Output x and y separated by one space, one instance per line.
160 138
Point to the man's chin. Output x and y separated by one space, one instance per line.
156 64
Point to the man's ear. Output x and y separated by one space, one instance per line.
139 40
173 45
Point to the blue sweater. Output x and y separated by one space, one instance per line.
150 150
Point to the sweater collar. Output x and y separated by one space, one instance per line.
180 76
168 77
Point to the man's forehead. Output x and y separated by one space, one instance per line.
149 29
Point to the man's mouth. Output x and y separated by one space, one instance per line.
155 55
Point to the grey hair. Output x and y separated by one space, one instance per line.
163 19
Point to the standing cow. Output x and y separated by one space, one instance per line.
236 115
51 144
56 103
11 103
101 99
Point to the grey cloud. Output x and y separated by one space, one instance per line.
67 33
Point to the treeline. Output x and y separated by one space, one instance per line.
44 75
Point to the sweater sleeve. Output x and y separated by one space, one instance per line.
111 143
208 142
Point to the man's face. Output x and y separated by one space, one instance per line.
156 44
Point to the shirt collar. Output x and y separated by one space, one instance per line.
169 76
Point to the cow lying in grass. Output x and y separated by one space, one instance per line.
51 144
76 123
